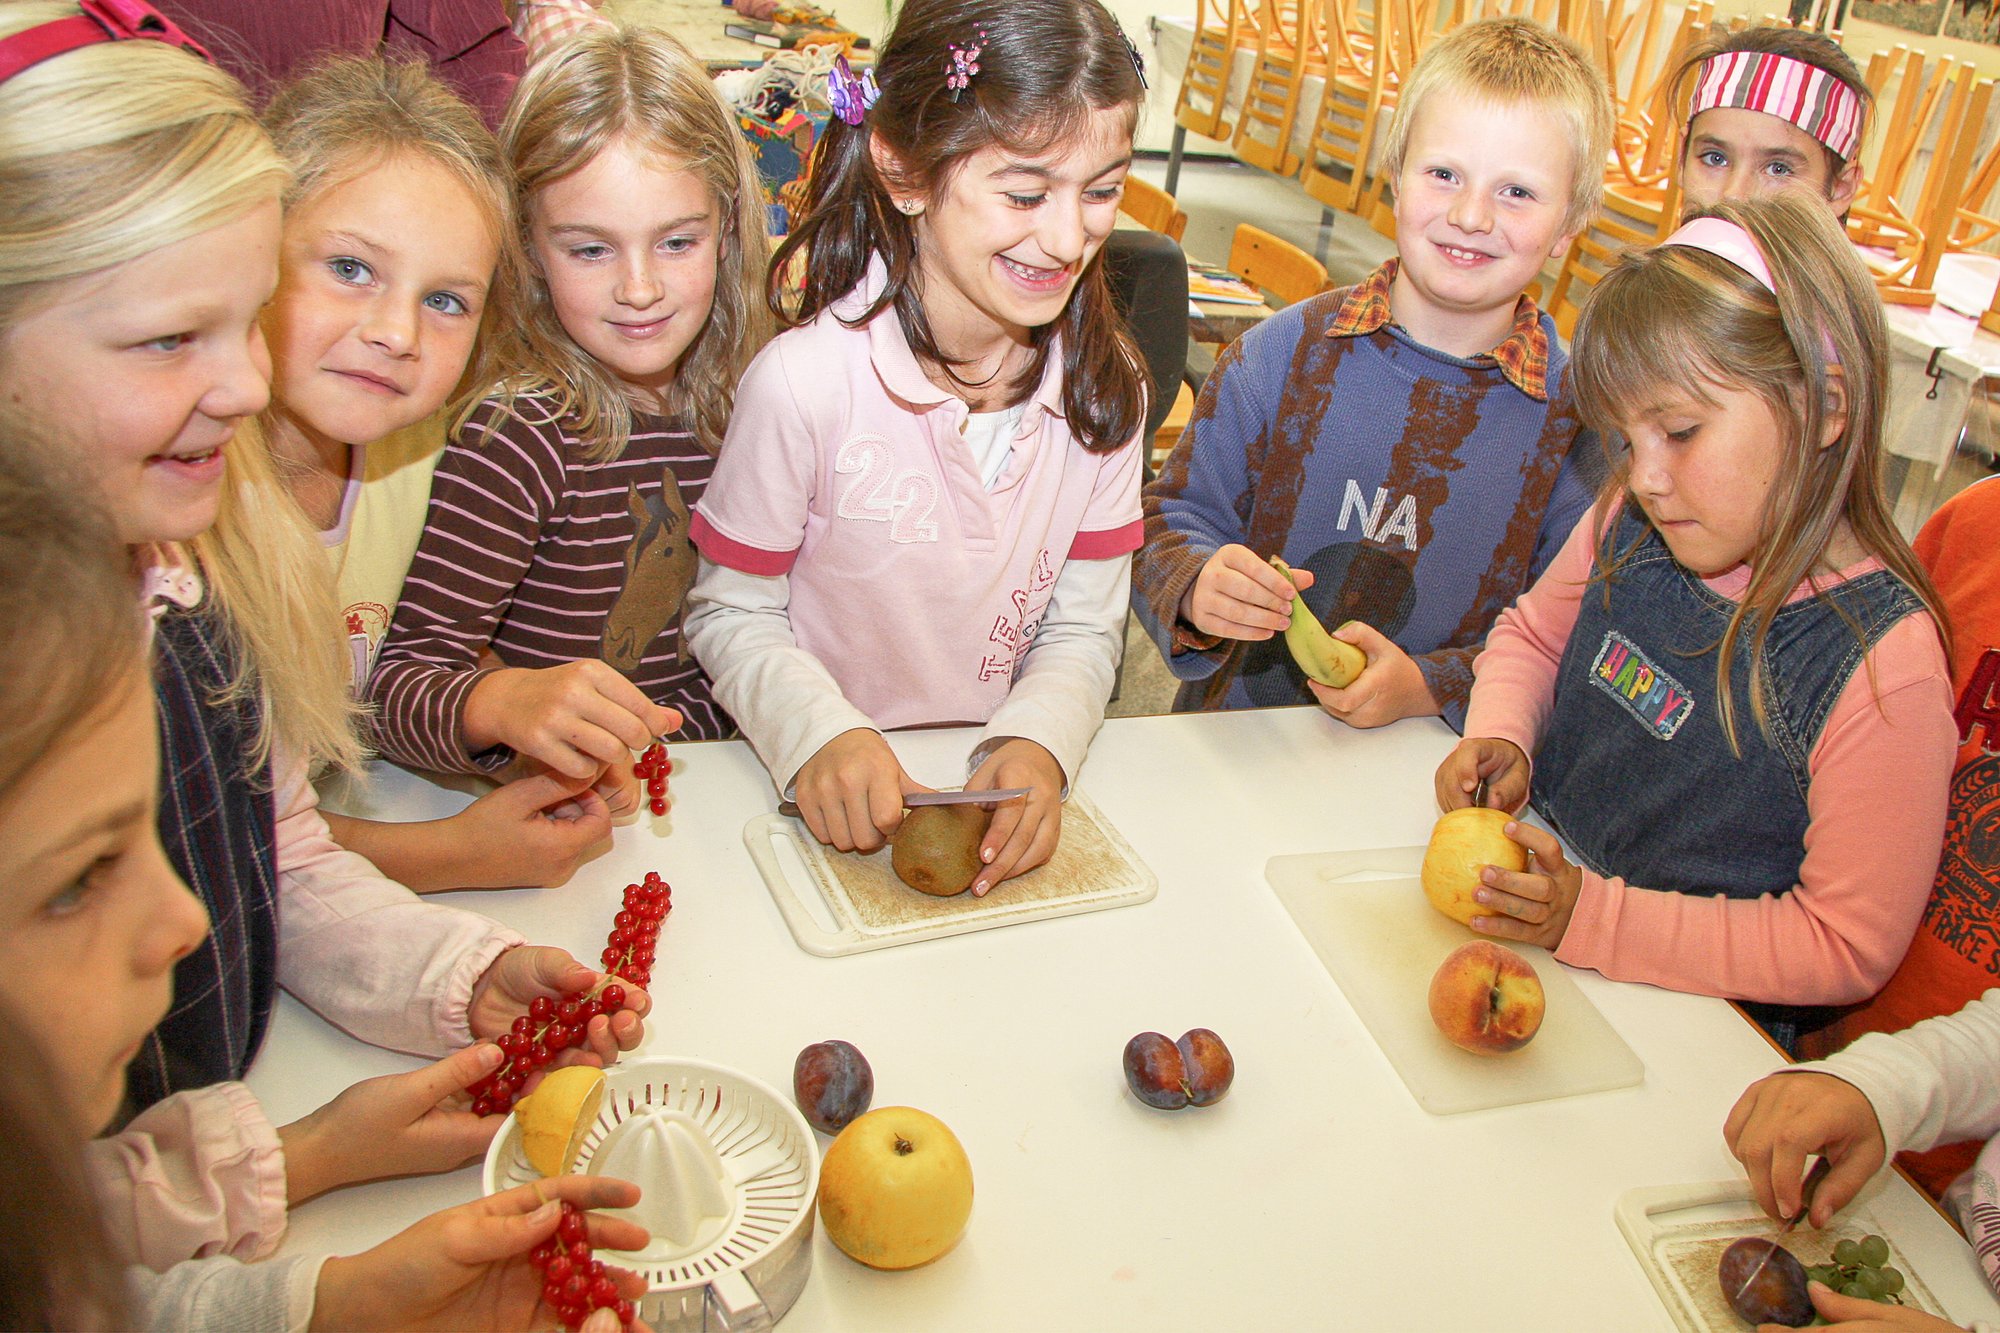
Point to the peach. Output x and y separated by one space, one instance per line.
1487 999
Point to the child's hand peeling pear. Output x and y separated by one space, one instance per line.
1320 655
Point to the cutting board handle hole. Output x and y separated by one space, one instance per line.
805 886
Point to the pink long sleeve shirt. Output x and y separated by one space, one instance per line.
1876 805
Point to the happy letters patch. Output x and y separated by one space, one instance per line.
1623 671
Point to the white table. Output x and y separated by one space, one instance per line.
1316 1195
1940 364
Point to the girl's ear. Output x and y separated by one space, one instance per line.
890 169
1833 424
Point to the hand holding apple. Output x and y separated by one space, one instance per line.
1500 764
1464 843
1487 999
895 1189
1535 908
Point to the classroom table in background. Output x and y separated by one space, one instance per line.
1316 1195
1942 370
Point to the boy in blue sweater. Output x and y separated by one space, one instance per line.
1408 445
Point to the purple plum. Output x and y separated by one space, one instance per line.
833 1084
1777 1296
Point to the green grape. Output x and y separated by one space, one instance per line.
1846 1253
1892 1282
1871 1280
1874 1251
1857 1291
1824 1274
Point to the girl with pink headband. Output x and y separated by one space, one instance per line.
1734 649
1771 108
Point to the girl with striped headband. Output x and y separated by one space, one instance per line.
1771 108
1733 650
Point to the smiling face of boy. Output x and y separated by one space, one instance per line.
1481 206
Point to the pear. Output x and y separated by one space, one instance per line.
1320 655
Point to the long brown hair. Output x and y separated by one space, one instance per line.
642 85
1045 66
1673 318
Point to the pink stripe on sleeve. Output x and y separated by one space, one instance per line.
734 554
1109 543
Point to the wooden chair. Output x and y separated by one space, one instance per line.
1275 265
1291 45
1628 219
1354 106
1152 208
1221 29
1903 234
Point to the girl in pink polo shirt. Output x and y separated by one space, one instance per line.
927 501
1730 679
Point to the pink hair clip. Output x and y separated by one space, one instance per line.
964 64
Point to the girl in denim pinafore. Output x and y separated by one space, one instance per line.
1730 679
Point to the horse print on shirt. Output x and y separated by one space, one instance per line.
659 569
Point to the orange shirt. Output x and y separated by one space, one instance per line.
1956 954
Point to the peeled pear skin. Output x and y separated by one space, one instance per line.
1321 656
936 851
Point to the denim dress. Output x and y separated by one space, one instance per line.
1635 771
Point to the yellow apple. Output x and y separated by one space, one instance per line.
1463 843
895 1188
1487 999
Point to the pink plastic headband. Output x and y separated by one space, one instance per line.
100 21
1729 241
1794 91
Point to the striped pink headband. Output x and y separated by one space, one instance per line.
1794 91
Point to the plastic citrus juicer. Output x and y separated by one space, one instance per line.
728 1171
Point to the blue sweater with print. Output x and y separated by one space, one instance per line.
1424 490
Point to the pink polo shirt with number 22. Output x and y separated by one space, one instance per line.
915 586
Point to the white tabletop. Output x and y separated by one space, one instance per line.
1315 1195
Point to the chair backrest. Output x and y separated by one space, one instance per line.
1630 219
1275 264
1152 208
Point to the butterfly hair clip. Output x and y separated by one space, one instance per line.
851 96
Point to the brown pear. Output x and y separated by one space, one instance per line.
936 851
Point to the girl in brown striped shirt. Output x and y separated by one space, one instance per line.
541 616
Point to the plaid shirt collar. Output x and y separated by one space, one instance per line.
1523 355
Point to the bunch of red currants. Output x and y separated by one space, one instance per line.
552 1026
655 768
573 1282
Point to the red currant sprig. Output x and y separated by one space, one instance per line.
573 1282
551 1026
655 767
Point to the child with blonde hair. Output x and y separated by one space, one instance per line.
927 505
139 234
541 617
394 218
1410 445
1731 651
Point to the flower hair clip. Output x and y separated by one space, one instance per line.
1132 50
964 64
850 96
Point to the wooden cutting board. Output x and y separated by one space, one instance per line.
1366 917
1094 868
1678 1234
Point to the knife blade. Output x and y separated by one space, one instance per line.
917 798
1806 1193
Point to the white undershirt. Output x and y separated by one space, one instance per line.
990 436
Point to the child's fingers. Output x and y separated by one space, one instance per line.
1029 843
1541 844
423 1089
1524 897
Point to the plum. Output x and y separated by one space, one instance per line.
833 1084
1777 1296
1166 1075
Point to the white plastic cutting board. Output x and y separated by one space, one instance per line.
1368 920
1678 1234
1093 869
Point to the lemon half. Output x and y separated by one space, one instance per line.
557 1114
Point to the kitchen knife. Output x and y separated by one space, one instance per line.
1806 1192
915 799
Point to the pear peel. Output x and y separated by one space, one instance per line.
1321 656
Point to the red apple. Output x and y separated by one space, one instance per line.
895 1189
1487 999
1464 842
